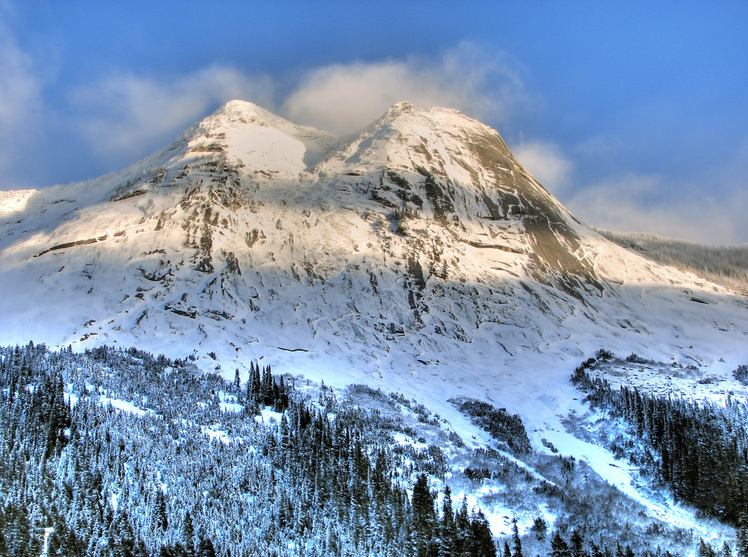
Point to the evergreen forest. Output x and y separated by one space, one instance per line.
122 453
698 450
196 476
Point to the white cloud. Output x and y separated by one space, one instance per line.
342 98
546 163
123 112
630 204
20 102
19 88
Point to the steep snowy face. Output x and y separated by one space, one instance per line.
418 249
440 165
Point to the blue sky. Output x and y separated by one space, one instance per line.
634 114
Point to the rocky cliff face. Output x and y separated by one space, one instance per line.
419 248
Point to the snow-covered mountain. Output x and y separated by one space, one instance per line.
418 254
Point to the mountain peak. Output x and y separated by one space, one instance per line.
237 112
461 174
241 106
400 108
252 137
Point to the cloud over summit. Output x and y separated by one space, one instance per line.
124 110
341 98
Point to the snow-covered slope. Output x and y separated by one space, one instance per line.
419 255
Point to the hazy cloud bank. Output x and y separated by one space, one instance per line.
124 110
342 98
547 163
627 204
645 203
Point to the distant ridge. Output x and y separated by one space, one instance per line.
725 265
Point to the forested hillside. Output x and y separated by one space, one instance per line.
188 477
125 454
699 450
